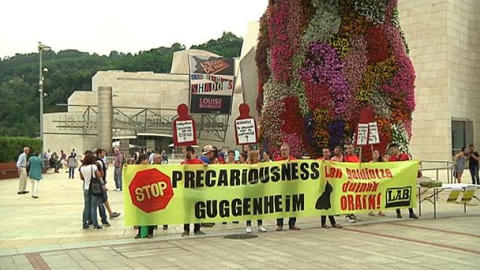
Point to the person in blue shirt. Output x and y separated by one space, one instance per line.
22 170
208 154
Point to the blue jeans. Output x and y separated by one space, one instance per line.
90 208
118 177
71 172
101 209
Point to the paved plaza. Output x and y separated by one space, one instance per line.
46 233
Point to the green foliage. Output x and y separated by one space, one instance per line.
11 147
72 70
228 45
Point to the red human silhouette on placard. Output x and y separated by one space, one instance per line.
184 128
246 125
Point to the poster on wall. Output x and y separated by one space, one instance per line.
212 83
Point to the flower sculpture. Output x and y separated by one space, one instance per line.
321 62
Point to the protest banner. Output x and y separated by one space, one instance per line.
184 128
245 127
177 194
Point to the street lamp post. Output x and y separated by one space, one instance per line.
41 48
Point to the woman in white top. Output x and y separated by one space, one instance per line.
87 170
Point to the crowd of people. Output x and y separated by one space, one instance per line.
95 166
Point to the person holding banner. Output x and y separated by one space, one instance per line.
337 154
326 154
348 157
208 154
267 156
285 155
253 159
376 157
191 159
350 154
144 159
395 155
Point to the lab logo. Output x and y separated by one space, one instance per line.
398 197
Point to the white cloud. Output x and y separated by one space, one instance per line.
102 26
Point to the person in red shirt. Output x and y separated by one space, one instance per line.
350 154
191 159
285 155
396 155
326 154
348 157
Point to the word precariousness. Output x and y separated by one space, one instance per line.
248 176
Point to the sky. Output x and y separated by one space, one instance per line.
102 26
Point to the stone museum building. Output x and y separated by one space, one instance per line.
137 109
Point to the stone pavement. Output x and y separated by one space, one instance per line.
46 233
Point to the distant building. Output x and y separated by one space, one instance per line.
144 104
444 41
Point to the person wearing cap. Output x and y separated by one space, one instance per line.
208 157
208 154
191 159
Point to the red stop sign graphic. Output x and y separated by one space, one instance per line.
151 190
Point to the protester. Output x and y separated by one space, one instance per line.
35 172
242 158
22 171
267 156
72 164
337 154
459 164
339 157
158 159
285 156
350 154
473 159
87 171
208 154
118 164
144 159
395 155
230 157
230 160
326 155
190 159
253 159
376 157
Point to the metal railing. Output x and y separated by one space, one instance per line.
440 167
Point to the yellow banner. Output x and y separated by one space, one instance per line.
177 194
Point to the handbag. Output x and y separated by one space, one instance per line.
95 187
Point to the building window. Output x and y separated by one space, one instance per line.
462 134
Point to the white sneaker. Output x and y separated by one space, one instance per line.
262 229
249 229
350 220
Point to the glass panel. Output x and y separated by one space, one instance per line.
458 136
